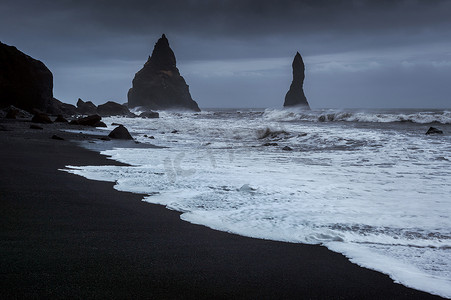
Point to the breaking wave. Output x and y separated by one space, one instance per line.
424 117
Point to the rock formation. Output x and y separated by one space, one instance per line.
159 85
149 114
295 96
61 108
24 81
86 108
120 133
42 118
92 120
114 109
433 130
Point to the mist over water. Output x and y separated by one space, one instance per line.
368 184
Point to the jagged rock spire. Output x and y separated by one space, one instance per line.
162 57
159 85
295 96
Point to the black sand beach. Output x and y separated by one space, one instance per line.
63 236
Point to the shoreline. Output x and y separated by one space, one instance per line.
67 236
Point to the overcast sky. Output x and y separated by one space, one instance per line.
359 54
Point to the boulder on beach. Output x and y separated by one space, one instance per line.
25 82
159 85
86 108
295 95
433 130
120 133
40 117
114 109
12 112
92 120
60 119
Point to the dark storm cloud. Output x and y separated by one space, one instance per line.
95 47
338 24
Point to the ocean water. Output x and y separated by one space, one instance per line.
368 184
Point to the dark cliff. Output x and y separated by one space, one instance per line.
24 81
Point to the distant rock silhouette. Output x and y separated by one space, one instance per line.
433 130
114 109
295 96
92 120
86 108
25 82
61 108
159 85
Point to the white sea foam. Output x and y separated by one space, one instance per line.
380 194
421 117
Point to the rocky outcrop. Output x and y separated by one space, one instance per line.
61 108
42 118
114 109
92 120
295 96
120 133
149 114
61 119
158 85
24 81
86 108
12 112
433 130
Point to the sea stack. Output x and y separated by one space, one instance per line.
25 82
159 85
296 96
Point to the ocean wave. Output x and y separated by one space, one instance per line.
442 117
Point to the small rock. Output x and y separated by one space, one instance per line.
60 119
32 126
115 124
174 131
104 138
149 114
55 137
12 113
433 130
41 118
91 120
286 148
100 124
270 144
246 188
120 133
151 137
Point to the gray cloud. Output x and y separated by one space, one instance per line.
95 47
